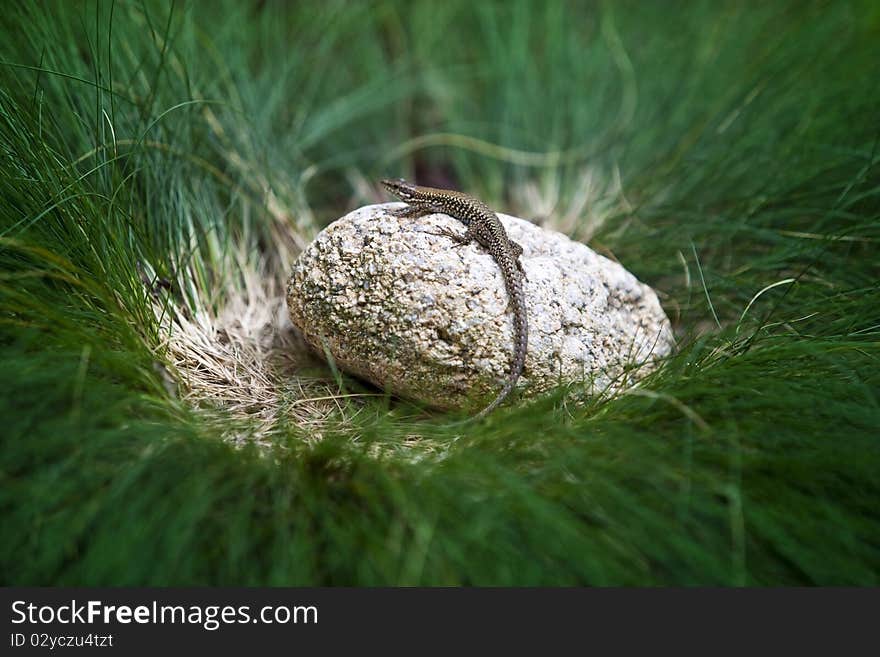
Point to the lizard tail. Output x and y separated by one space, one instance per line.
521 346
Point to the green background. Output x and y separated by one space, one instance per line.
728 147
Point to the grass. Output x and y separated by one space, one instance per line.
161 165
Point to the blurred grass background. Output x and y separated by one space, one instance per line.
157 155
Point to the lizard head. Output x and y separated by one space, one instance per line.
402 189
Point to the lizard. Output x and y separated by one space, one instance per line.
484 227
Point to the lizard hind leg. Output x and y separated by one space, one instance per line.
517 252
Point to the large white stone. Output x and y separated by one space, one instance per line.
415 315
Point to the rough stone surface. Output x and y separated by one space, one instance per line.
415 315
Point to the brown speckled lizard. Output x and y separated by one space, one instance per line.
483 226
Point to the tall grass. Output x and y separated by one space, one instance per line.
161 162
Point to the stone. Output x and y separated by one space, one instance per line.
413 314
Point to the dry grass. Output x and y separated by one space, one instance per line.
246 360
598 200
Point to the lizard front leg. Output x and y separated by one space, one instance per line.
410 211
459 239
